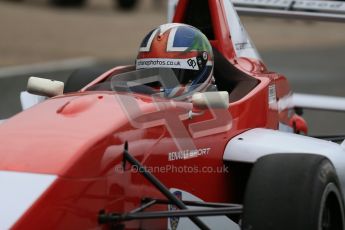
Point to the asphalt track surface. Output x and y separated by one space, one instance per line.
310 55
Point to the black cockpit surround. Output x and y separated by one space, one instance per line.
231 79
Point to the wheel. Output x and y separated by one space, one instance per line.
293 191
81 77
68 3
126 4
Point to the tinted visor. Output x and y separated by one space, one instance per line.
186 76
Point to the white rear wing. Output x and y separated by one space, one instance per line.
318 102
321 10
333 11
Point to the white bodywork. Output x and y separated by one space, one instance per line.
256 143
18 192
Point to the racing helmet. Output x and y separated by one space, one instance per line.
183 49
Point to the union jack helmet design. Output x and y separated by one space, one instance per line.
183 49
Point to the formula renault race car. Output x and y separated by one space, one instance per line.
117 154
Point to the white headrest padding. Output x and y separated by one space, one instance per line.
217 99
45 87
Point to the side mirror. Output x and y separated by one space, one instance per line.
45 87
217 100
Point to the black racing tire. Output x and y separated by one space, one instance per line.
126 4
82 77
67 3
293 191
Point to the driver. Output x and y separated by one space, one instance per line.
185 51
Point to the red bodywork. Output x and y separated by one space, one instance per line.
80 137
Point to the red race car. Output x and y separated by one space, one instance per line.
121 154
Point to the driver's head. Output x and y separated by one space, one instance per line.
183 49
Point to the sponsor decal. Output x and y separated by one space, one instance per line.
188 154
167 63
174 220
191 63
242 46
272 97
